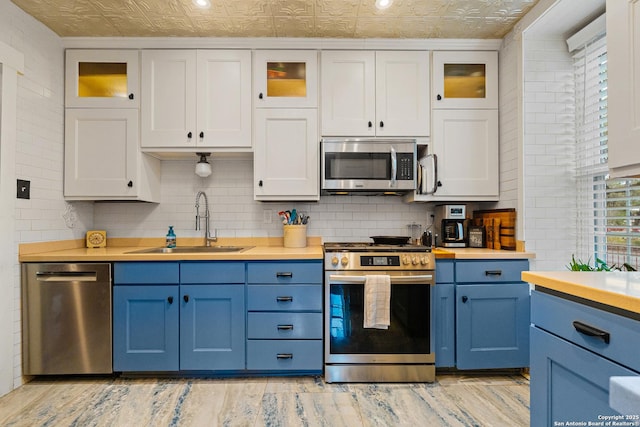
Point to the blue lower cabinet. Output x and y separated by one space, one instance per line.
284 355
145 328
492 326
569 383
445 325
212 327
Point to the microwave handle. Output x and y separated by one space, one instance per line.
434 172
394 167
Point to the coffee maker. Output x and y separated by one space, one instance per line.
450 225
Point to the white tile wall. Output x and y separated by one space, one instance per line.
234 213
549 153
39 145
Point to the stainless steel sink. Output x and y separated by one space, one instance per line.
191 250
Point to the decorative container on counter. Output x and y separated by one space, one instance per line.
295 236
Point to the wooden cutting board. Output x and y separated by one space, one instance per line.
500 227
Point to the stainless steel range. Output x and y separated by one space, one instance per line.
404 352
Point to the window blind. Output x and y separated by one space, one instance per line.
608 225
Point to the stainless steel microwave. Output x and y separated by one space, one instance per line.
368 166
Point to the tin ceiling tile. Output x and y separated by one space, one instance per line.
295 18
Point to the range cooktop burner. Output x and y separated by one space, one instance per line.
372 247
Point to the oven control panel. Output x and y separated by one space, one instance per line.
380 261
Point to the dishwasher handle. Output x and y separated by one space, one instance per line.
67 276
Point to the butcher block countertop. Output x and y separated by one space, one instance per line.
618 289
261 248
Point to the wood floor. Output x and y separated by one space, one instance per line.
453 400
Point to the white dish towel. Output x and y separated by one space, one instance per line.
377 301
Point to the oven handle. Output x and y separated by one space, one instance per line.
394 279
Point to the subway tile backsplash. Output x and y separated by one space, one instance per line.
234 213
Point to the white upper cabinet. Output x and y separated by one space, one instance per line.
196 99
286 154
465 80
623 56
285 78
102 158
102 79
366 93
460 163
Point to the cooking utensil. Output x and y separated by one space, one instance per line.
390 240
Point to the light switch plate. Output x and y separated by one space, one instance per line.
24 189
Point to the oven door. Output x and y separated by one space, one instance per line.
368 165
409 338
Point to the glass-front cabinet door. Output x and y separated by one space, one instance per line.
285 78
102 79
465 80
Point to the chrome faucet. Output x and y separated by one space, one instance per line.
207 238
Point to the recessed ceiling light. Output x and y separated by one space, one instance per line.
202 4
383 4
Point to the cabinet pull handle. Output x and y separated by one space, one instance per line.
285 327
493 273
201 134
285 356
170 300
186 298
284 274
260 96
381 124
370 124
189 135
439 97
284 299
585 329
465 299
131 96
130 184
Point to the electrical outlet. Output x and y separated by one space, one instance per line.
24 189
267 216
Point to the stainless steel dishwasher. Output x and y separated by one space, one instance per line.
66 319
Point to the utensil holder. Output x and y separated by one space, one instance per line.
295 236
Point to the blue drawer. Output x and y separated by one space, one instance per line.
285 298
285 355
284 326
494 271
212 272
556 315
285 272
146 273
444 271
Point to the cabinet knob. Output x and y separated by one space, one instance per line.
201 134
260 183
439 184
370 124
465 299
130 184
189 135
260 96
381 124
170 300
186 298
131 96
439 97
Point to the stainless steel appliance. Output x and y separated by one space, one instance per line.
66 319
405 351
450 225
368 166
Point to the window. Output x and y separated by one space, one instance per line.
608 210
